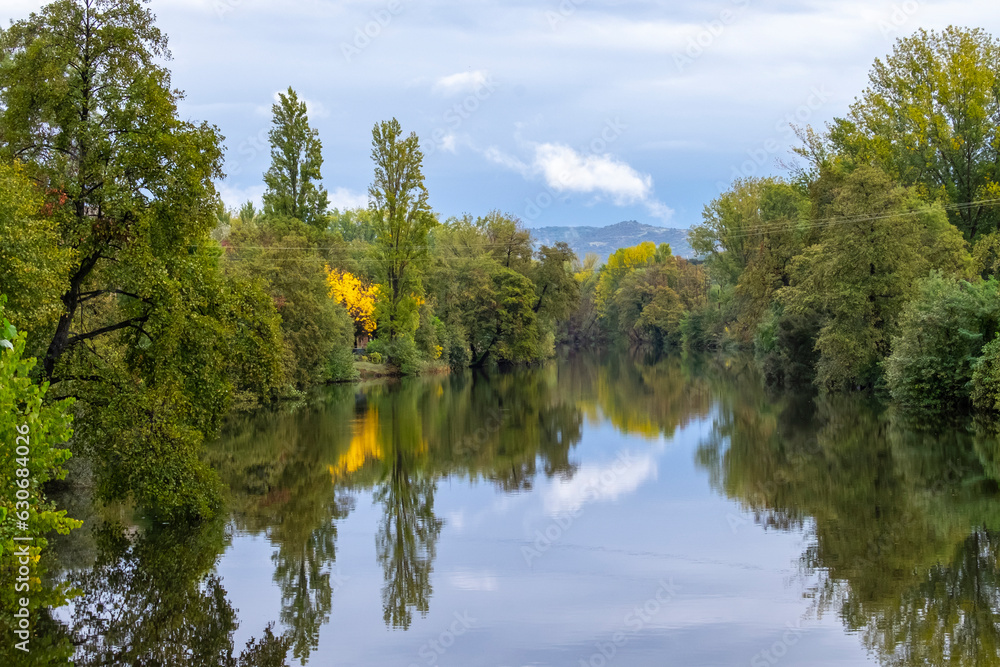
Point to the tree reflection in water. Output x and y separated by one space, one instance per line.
150 598
903 524
903 521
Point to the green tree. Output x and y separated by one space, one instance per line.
402 220
296 159
286 254
557 290
34 267
942 333
930 117
500 320
86 104
507 240
748 238
146 321
28 422
871 254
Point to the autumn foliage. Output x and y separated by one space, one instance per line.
357 296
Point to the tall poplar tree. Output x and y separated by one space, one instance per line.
296 159
402 218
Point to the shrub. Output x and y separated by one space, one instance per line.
27 421
377 350
985 385
404 355
340 366
943 330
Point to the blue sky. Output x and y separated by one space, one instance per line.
562 112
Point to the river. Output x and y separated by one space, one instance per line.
598 510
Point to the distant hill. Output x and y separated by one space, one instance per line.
605 240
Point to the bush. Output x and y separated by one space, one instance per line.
699 329
26 420
401 353
340 366
985 385
943 329
377 350
456 348
427 335
404 355
785 347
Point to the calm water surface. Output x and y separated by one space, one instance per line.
594 511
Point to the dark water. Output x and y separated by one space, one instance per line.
594 511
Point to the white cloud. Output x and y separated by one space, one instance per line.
448 143
566 170
314 109
599 483
473 581
658 209
234 197
495 155
461 82
342 198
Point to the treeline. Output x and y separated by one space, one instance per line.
391 279
873 265
160 311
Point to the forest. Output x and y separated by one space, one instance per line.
138 313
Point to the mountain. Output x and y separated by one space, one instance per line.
605 240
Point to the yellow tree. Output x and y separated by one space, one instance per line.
358 297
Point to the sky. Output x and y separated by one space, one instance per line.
561 112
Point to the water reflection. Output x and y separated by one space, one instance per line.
902 524
150 598
902 520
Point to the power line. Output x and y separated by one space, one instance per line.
779 225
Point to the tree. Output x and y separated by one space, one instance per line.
748 238
500 319
286 254
620 264
557 290
942 333
930 117
146 321
402 220
357 297
507 240
866 266
34 267
86 105
296 159
31 431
